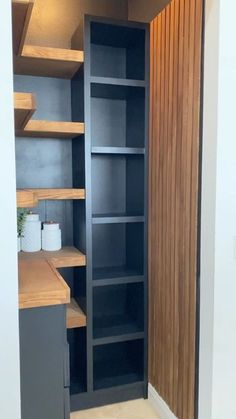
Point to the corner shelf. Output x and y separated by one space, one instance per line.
51 129
48 62
21 14
75 317
30 197
24 108
67 257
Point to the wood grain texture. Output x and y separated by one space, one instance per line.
75 317
40 285
48 62
58 194
176 38
65 258
24 107
51 129
21 14
26 199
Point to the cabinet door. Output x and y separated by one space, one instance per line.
42 356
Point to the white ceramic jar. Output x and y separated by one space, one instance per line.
31 240
51 236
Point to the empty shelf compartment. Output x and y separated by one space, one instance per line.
117 51
118 364
118 116
118 185
118 250
118 310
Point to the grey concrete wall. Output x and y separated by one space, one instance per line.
47 163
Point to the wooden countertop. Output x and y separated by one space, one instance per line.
40 284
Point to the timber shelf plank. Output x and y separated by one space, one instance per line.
51 129
24 107
58 194
75 317
67 257
26 199
21 14
48 62
41 285
30 197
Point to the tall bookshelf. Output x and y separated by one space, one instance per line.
111 95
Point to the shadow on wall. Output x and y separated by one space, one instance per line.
145 10
56 25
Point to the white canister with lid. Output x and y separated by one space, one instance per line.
51 236
31 240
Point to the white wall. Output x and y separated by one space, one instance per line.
218 270
9 348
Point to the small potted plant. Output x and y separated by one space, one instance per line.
21 218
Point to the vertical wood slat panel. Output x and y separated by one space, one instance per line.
174 157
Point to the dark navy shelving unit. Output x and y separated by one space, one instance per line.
111 94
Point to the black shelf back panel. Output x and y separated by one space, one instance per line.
111 162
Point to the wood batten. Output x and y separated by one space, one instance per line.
21 14
51 129
75 317
24 108
26 199
173 202
67 257
48 62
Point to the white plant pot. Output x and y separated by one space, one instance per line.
19 244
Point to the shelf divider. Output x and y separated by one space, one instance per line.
117 150
115 81
117 218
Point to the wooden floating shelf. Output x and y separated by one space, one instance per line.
28 198
75 317
67 257
41 285
48 62
21 14
24 107
51 129
58 194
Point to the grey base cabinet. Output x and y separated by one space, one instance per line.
44 359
